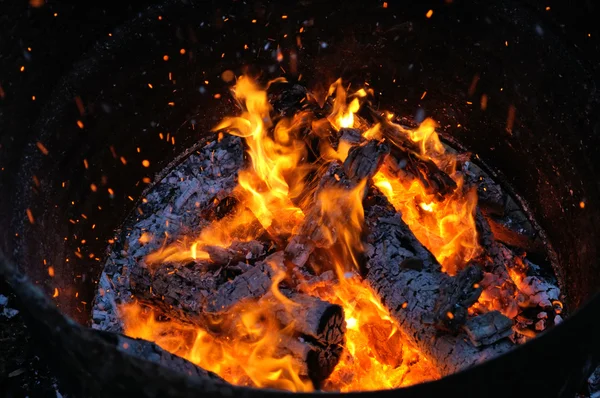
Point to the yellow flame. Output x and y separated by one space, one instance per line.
447 227
376 354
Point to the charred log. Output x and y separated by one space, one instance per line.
455 297
411 295
315 328
406 161
238 251
362 163
364 160
488 328
507 221
407 165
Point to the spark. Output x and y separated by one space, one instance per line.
42 148
30 216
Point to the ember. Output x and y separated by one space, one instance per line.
347 251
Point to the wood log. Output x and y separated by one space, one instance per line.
362 163
315 327
411 295
238 251
406 162
364 160
507 221
455 296
488 328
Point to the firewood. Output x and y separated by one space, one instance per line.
173 288
412 295
198 297
488 328
364 160
362 163
405 164
507 221
455 296
406 161
238 251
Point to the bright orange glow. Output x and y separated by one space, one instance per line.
247 355
376 355
446 227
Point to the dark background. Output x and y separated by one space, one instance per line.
59 33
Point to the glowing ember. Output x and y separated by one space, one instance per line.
276 196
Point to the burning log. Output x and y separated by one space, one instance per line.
412 293
407 165
364 160
488 328
238 251
406 161
507 223
362 163
315 328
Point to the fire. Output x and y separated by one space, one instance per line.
270 192
375 356
246 357
447 226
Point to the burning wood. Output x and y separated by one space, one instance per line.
419 296
315 327
350 252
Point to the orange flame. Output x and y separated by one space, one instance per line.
376 356
246 356
446 227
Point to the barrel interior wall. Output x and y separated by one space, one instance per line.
130 95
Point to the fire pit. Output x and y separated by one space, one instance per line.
314 228
344 251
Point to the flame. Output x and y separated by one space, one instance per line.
342 115
245 356
446 227
341 222
275 159
376 356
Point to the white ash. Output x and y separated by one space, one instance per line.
170 210
539 292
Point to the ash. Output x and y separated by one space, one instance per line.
170 210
